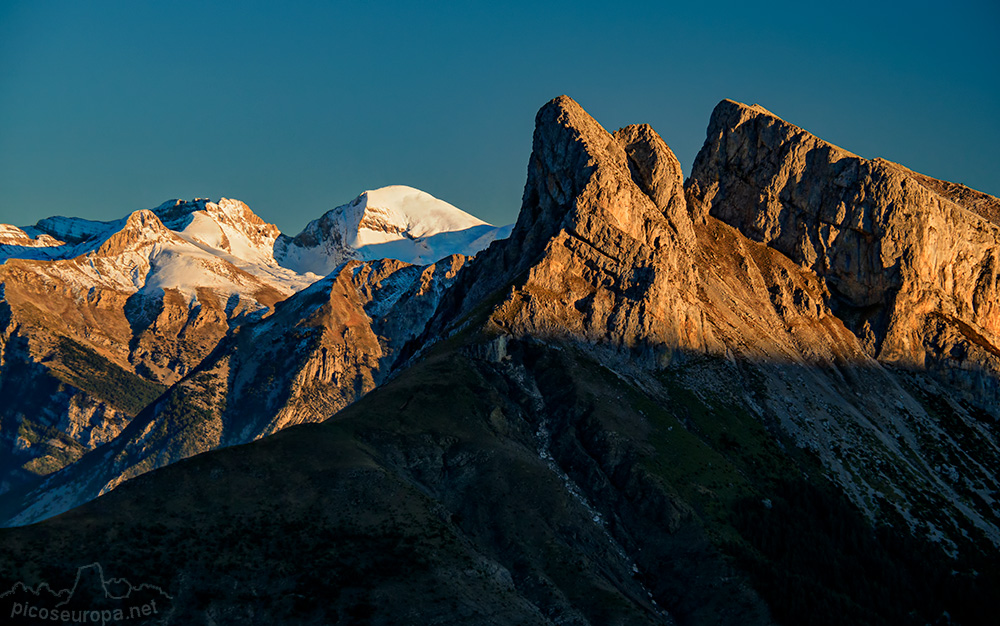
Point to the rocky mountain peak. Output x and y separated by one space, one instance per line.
174 210
141 228
911 262
567 148
240 216
658 173
598 209
218 222
582 179
730 113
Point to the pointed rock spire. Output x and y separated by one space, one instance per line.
658 173
583 179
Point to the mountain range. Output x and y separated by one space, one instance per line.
764 394
100 318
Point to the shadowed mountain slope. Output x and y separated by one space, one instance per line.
319 351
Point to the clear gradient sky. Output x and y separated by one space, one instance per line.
107 107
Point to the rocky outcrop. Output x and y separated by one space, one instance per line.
580 179
912 263
658 173
598 210
606 251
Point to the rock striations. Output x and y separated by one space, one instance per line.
909 262
912 264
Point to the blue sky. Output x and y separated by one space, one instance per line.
107 107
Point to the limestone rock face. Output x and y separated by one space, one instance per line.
752 267
626 263
658 173
911 262
580 178
613 259
603 231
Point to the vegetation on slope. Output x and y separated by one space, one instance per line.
85 369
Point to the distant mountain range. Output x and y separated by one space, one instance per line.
767 394
98 318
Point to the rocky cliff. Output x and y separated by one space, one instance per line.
911 262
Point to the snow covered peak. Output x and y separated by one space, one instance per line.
14 236
27 243
237 210
230 227
238 215
395 222
178 214
405 209
180 245
191 244
71 229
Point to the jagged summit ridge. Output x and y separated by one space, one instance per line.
610 253
396 222
615 198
